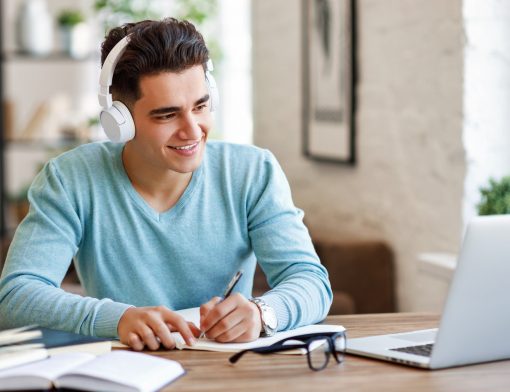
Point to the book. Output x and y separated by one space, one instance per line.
62 342
19 345
204 344
12 353
16 335
116 371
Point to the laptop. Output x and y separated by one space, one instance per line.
475 324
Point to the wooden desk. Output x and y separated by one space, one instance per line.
211 371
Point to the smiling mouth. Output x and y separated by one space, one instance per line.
185 148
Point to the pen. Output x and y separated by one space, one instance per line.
228 291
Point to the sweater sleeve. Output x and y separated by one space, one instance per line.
38 258
301 292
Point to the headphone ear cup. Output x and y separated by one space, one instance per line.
118 123
213 91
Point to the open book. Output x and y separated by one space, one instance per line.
116 371
204 344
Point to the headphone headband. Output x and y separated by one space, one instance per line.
106 77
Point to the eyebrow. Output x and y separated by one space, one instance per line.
172 109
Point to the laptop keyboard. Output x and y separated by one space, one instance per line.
424 350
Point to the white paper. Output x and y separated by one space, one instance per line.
190 314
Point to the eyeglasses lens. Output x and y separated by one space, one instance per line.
319 354
340 344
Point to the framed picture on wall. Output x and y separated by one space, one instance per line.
329 80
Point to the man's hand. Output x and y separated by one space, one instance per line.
150 326
235 319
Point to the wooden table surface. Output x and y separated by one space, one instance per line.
208 371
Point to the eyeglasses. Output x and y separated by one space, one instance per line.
318 346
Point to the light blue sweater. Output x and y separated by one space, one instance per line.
236 210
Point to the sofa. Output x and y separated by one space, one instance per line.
361 273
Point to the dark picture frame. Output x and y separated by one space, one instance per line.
329 80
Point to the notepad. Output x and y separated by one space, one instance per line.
193 315
204 344
116 371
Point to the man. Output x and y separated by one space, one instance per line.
160 222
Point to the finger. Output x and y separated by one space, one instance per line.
225 324
148 337
233 333
134 342
206 308
194 329
179 324
248 336
220 311
162 332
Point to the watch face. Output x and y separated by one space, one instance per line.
270 319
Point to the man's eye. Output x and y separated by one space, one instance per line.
166 116
201 107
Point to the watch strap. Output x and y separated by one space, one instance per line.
267 316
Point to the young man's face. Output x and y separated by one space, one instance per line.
172 119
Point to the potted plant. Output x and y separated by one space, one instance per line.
75 33
495 198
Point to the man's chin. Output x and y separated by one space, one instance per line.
189 167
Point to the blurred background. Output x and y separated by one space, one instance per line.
389 118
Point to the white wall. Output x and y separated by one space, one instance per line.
486 96
407 187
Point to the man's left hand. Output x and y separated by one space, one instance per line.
234 319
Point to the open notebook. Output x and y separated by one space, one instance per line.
204 344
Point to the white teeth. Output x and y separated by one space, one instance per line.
186 147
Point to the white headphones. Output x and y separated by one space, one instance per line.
115 117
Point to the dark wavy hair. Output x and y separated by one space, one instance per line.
168 45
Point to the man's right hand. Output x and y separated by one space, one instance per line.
151 326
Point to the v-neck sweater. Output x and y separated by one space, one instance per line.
237 210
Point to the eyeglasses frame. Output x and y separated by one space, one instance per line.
308 340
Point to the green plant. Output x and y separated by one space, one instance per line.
117 12
202 13
197 11
70 18
495 198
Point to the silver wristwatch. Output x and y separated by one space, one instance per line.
268 317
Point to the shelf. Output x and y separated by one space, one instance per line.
438 264
45 143
52 57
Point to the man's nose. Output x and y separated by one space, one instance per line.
190 128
